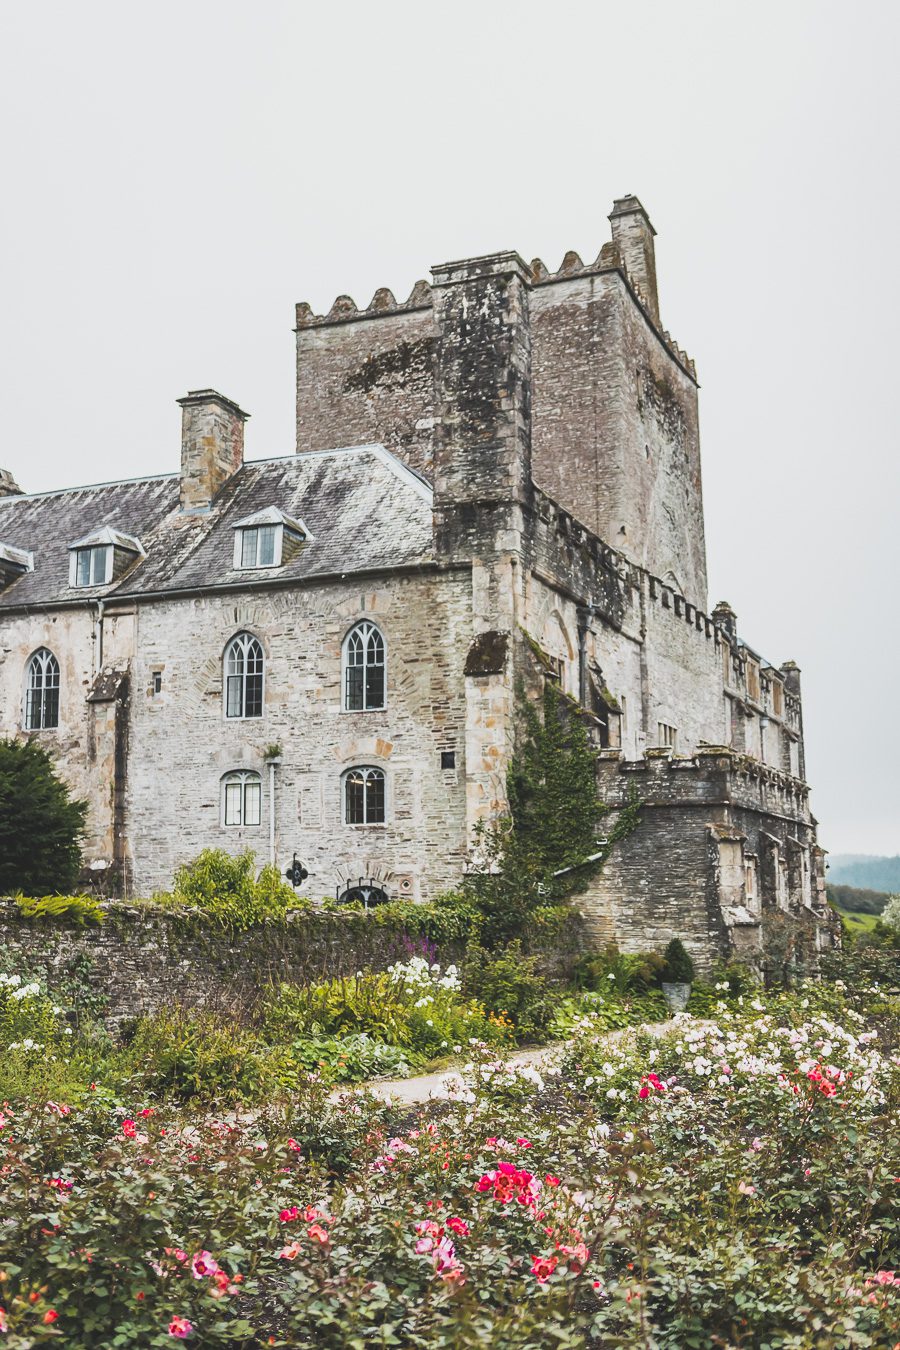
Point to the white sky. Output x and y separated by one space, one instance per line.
176 176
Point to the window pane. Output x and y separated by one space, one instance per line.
51 707
267 546
354 694
252 794
253 697
375 686
233 803
248 547
235 685
375 797
30 723
83 567
355 805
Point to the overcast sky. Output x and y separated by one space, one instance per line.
176 176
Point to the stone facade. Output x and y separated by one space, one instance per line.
518 457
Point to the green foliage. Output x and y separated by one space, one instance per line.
552 785
619 972
40 825
186 1054
748 1209
224 888
508 985
83 909
539 854
679 968
412 1006
855 899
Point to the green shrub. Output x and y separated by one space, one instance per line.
83 909
185 1054
40 825
224 887
619 971
679 968
507 983
412 1005
352 1058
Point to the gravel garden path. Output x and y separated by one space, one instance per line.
436 1086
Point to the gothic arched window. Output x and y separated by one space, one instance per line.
244 677
241 798
42 691
364 669
364 796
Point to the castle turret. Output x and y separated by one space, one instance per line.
633 235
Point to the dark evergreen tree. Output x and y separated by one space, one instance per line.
552 784
40 825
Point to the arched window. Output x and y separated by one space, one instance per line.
42 691
244 677
241 799
367 894
364 669
364 797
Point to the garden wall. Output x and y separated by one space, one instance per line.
143 957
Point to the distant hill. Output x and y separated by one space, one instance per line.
865 871
853 900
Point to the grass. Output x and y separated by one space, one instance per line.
858 923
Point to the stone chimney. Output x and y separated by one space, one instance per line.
633 234
790 672
726 619
8 485
212 446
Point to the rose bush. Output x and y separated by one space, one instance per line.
731 1182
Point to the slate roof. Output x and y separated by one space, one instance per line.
366 512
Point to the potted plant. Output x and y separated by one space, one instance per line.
677 976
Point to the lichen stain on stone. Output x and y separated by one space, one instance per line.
385 367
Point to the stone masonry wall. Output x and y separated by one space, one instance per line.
144 958
365 380
675 876
83 746
616 432
182 744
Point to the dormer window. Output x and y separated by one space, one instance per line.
93 565
102 557
258 546
14 563
267 539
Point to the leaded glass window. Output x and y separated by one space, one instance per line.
242 798
258 546
364 797
42 691
244 677
364 669
92 565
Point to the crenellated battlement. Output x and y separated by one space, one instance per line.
383 302
713 774
610 259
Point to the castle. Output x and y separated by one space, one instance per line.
318 655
